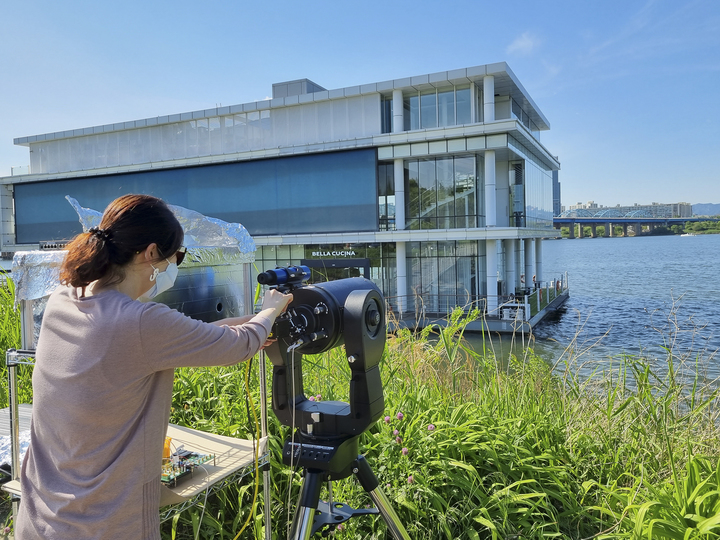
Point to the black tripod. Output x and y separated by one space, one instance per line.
333 461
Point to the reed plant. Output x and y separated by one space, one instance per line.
9 332
473 445
476 446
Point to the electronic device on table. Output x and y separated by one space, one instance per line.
182 463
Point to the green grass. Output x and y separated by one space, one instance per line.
475 446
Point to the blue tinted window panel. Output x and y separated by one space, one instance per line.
332 192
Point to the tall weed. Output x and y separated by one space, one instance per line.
473 446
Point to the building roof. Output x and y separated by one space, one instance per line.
506 84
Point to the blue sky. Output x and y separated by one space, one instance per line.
630 88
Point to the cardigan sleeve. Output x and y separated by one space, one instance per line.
170 339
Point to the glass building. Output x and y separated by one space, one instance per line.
436 187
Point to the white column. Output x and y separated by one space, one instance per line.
398 124
490 198
489 98
538 260
401 270
519 264
529 262
491 264
399 179
510 278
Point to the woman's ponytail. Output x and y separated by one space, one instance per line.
88 259
129 225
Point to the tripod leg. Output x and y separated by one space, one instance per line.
370 484
307 506
388 513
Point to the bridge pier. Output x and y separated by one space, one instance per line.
593 230
608 230
581 230
625 230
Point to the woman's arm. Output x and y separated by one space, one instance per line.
233 321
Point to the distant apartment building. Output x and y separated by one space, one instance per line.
557 195
656 210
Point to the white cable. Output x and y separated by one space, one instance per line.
207 489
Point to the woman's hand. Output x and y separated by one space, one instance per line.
276 301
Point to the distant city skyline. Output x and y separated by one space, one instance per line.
628 88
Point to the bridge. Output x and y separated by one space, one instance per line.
609 218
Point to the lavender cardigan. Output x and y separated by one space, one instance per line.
102 389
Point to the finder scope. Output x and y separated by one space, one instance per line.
288 277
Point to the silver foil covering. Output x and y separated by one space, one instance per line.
200 230
36 273
209 242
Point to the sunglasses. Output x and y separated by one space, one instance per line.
180 255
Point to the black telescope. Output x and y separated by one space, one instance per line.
320 317
349 312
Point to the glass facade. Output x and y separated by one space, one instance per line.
330 192
191 137
386 196
381 256
386 114
538 188
441 275
520 114
441 193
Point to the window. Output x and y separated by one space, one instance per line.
446 108
428 110
386 114
411 112
441 275
435 108
464 110
386 196
441 193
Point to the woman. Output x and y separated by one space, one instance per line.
102 384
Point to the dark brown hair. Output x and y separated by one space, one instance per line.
129 225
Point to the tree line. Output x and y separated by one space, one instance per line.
694 227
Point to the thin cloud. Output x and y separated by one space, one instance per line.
523 45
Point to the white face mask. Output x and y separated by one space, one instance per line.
163 281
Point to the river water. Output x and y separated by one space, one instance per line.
635 295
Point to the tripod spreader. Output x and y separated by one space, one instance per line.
313 515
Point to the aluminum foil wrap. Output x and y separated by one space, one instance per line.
36 273
200 231
209 242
